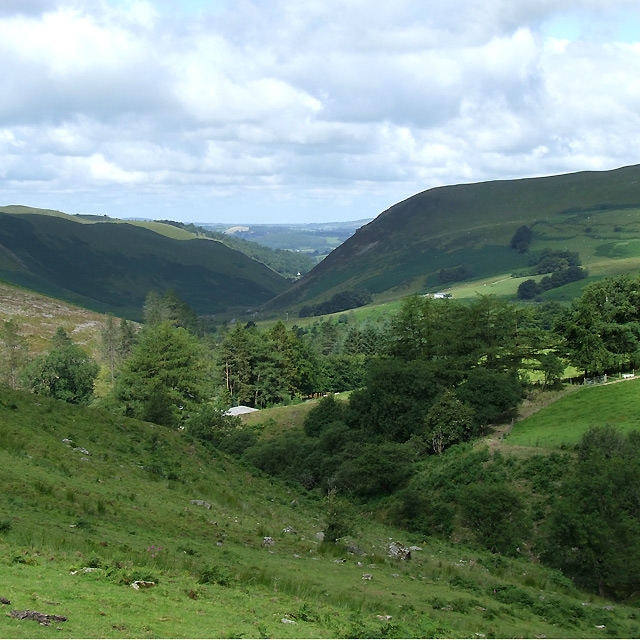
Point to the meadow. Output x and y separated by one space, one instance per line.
562 423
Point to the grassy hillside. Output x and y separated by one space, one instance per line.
563 422
92 503
403 250
112 267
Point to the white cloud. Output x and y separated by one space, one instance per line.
123 106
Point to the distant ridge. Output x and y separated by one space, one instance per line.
111 267
468 228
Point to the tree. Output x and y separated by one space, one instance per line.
448 422
109 344
528 289
210 424
66 372
14 353
593 533
163 377
601 331
522 239
491 394
126 338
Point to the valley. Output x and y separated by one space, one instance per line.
415 466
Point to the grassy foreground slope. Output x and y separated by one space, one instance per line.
112 267
92 503
470 226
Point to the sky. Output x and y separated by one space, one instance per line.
289 111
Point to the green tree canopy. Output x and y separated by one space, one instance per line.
164 376
594 529
66 372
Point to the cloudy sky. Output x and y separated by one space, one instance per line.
305 110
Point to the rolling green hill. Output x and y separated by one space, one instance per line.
92 504
470 226
111 267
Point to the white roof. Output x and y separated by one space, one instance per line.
236 411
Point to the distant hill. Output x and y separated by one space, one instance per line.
111 267
448 234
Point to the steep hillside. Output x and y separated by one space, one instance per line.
111 267
469 228
93 505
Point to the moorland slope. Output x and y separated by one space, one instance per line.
465 232
112 267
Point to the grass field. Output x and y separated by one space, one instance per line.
564 421
92 503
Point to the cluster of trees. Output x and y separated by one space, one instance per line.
342 301
444 370
454 274
529 289
563 267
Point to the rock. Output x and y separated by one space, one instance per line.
5 601
383 617
287 621
367 576
355 550
201 503
320 536
289 530
397 550
414 548
268 541
142 584
44 619
82 450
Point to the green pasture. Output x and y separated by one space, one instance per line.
563 422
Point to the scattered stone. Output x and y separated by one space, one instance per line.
395 575
609 608
81 450
397 550
600 626
5 601
383 617
289 530
201 503
268 541
142 584
44 619
414 548
367 576
586 604
355 550
84 570
320 536
67 441
541 636
287 621
295 555
340 561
